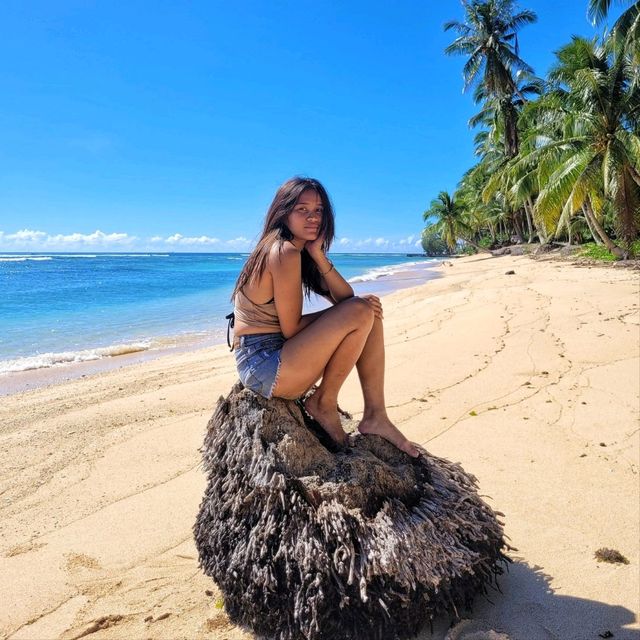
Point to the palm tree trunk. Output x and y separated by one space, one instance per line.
510 119
476 246
594 234
635 175
627 201
517 227
529 225
540 230
608 242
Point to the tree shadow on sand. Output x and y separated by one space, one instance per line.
529 609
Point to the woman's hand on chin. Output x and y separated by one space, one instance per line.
314 247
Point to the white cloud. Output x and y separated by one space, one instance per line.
97 238
179 239
41 241
30 240
25 235
382 244
240 243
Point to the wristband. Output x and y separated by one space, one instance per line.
322 275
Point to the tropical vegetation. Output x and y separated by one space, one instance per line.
558 158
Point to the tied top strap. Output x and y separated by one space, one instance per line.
231 318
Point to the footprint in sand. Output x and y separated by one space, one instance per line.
76 561
24 548
474 630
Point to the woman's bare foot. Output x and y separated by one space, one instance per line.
382 426
327 417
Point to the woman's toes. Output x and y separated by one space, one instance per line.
410 449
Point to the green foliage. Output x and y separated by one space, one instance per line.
559 157
634 249
596 252
449 221
468 250
432 242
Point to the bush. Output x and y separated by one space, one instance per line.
634 249
596 252
433 244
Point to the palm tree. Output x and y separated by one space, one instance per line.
450 221
587 149
494 114
626 29
489 37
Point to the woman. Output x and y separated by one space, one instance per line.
281 352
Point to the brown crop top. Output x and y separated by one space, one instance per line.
252 314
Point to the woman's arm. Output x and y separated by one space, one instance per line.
286 272
338 287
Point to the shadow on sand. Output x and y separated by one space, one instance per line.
528 609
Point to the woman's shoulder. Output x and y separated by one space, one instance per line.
283 255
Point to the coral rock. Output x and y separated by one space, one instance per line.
360 543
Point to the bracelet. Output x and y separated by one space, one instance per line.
322 275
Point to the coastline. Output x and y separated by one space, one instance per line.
381 282
529 380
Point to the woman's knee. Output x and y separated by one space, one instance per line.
357 307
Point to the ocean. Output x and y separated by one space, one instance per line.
58 308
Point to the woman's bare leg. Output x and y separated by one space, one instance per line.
329 347
344 336
323 404
370 367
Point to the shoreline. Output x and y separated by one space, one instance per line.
20 381
529 380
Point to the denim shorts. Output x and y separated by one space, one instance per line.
258 361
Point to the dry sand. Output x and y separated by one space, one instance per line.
530 380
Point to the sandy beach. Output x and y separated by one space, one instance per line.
530 380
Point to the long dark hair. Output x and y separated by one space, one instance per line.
276 231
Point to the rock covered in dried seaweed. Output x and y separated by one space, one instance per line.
361 543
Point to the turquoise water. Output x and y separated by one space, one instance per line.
57 308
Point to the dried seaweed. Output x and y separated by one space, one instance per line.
610 555
362 543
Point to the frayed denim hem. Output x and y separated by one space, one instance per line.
275 380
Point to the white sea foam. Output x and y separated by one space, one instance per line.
389 270
23 258
46 360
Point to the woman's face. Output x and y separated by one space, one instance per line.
306 217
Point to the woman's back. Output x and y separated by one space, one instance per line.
254 304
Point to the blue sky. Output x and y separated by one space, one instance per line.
168 126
